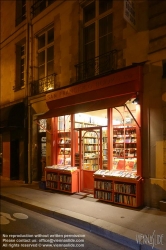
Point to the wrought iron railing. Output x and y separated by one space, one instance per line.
39 6
97 66
43 85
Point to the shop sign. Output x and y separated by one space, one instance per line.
100 83
129 12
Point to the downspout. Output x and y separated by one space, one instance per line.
29 73
29 105
26 118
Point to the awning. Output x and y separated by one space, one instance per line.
115 101
12 117
112 90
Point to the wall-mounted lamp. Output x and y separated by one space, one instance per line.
136 100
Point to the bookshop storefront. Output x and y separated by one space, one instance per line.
96 134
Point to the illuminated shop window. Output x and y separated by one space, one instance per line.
64 140
124 138
92 140
43 125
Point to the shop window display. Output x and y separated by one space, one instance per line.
124 138
92 140
64 140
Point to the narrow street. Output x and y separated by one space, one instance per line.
25 229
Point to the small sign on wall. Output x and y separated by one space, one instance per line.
129 12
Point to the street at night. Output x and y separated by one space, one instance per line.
25 229
83 124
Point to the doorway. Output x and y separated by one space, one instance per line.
14 163
41 154
91 151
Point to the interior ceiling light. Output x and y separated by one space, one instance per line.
136 100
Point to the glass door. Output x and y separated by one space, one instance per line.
91 149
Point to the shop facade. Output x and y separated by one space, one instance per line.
96 126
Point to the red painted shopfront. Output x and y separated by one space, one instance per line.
96 125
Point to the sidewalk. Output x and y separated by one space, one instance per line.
121 224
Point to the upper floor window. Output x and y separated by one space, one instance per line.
20 66
46 54
97 28
20 11
39 5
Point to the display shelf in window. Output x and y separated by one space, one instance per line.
64 148
124 142
104 149
62 178
124 148
126 187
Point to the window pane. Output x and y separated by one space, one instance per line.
50 1
89 12
22 68
105 34
41 41
22 50
41 71
104 5
50 68
41 58
42 5
105 44
22 61
90 51
23 10
51 36
89 33
22 76
105 25
50 53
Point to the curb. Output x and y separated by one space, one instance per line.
105 229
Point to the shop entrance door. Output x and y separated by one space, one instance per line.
91 156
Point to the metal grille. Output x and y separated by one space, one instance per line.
96 66
43 85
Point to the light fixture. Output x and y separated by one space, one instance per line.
136 100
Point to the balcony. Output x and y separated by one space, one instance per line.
43 85
98 66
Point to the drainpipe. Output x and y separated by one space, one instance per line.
28 78
29 106
26 118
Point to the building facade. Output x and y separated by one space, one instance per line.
61 58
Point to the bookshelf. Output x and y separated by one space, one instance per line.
64 148
124 142
120 187
104 149
62 178
124 148
91 149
